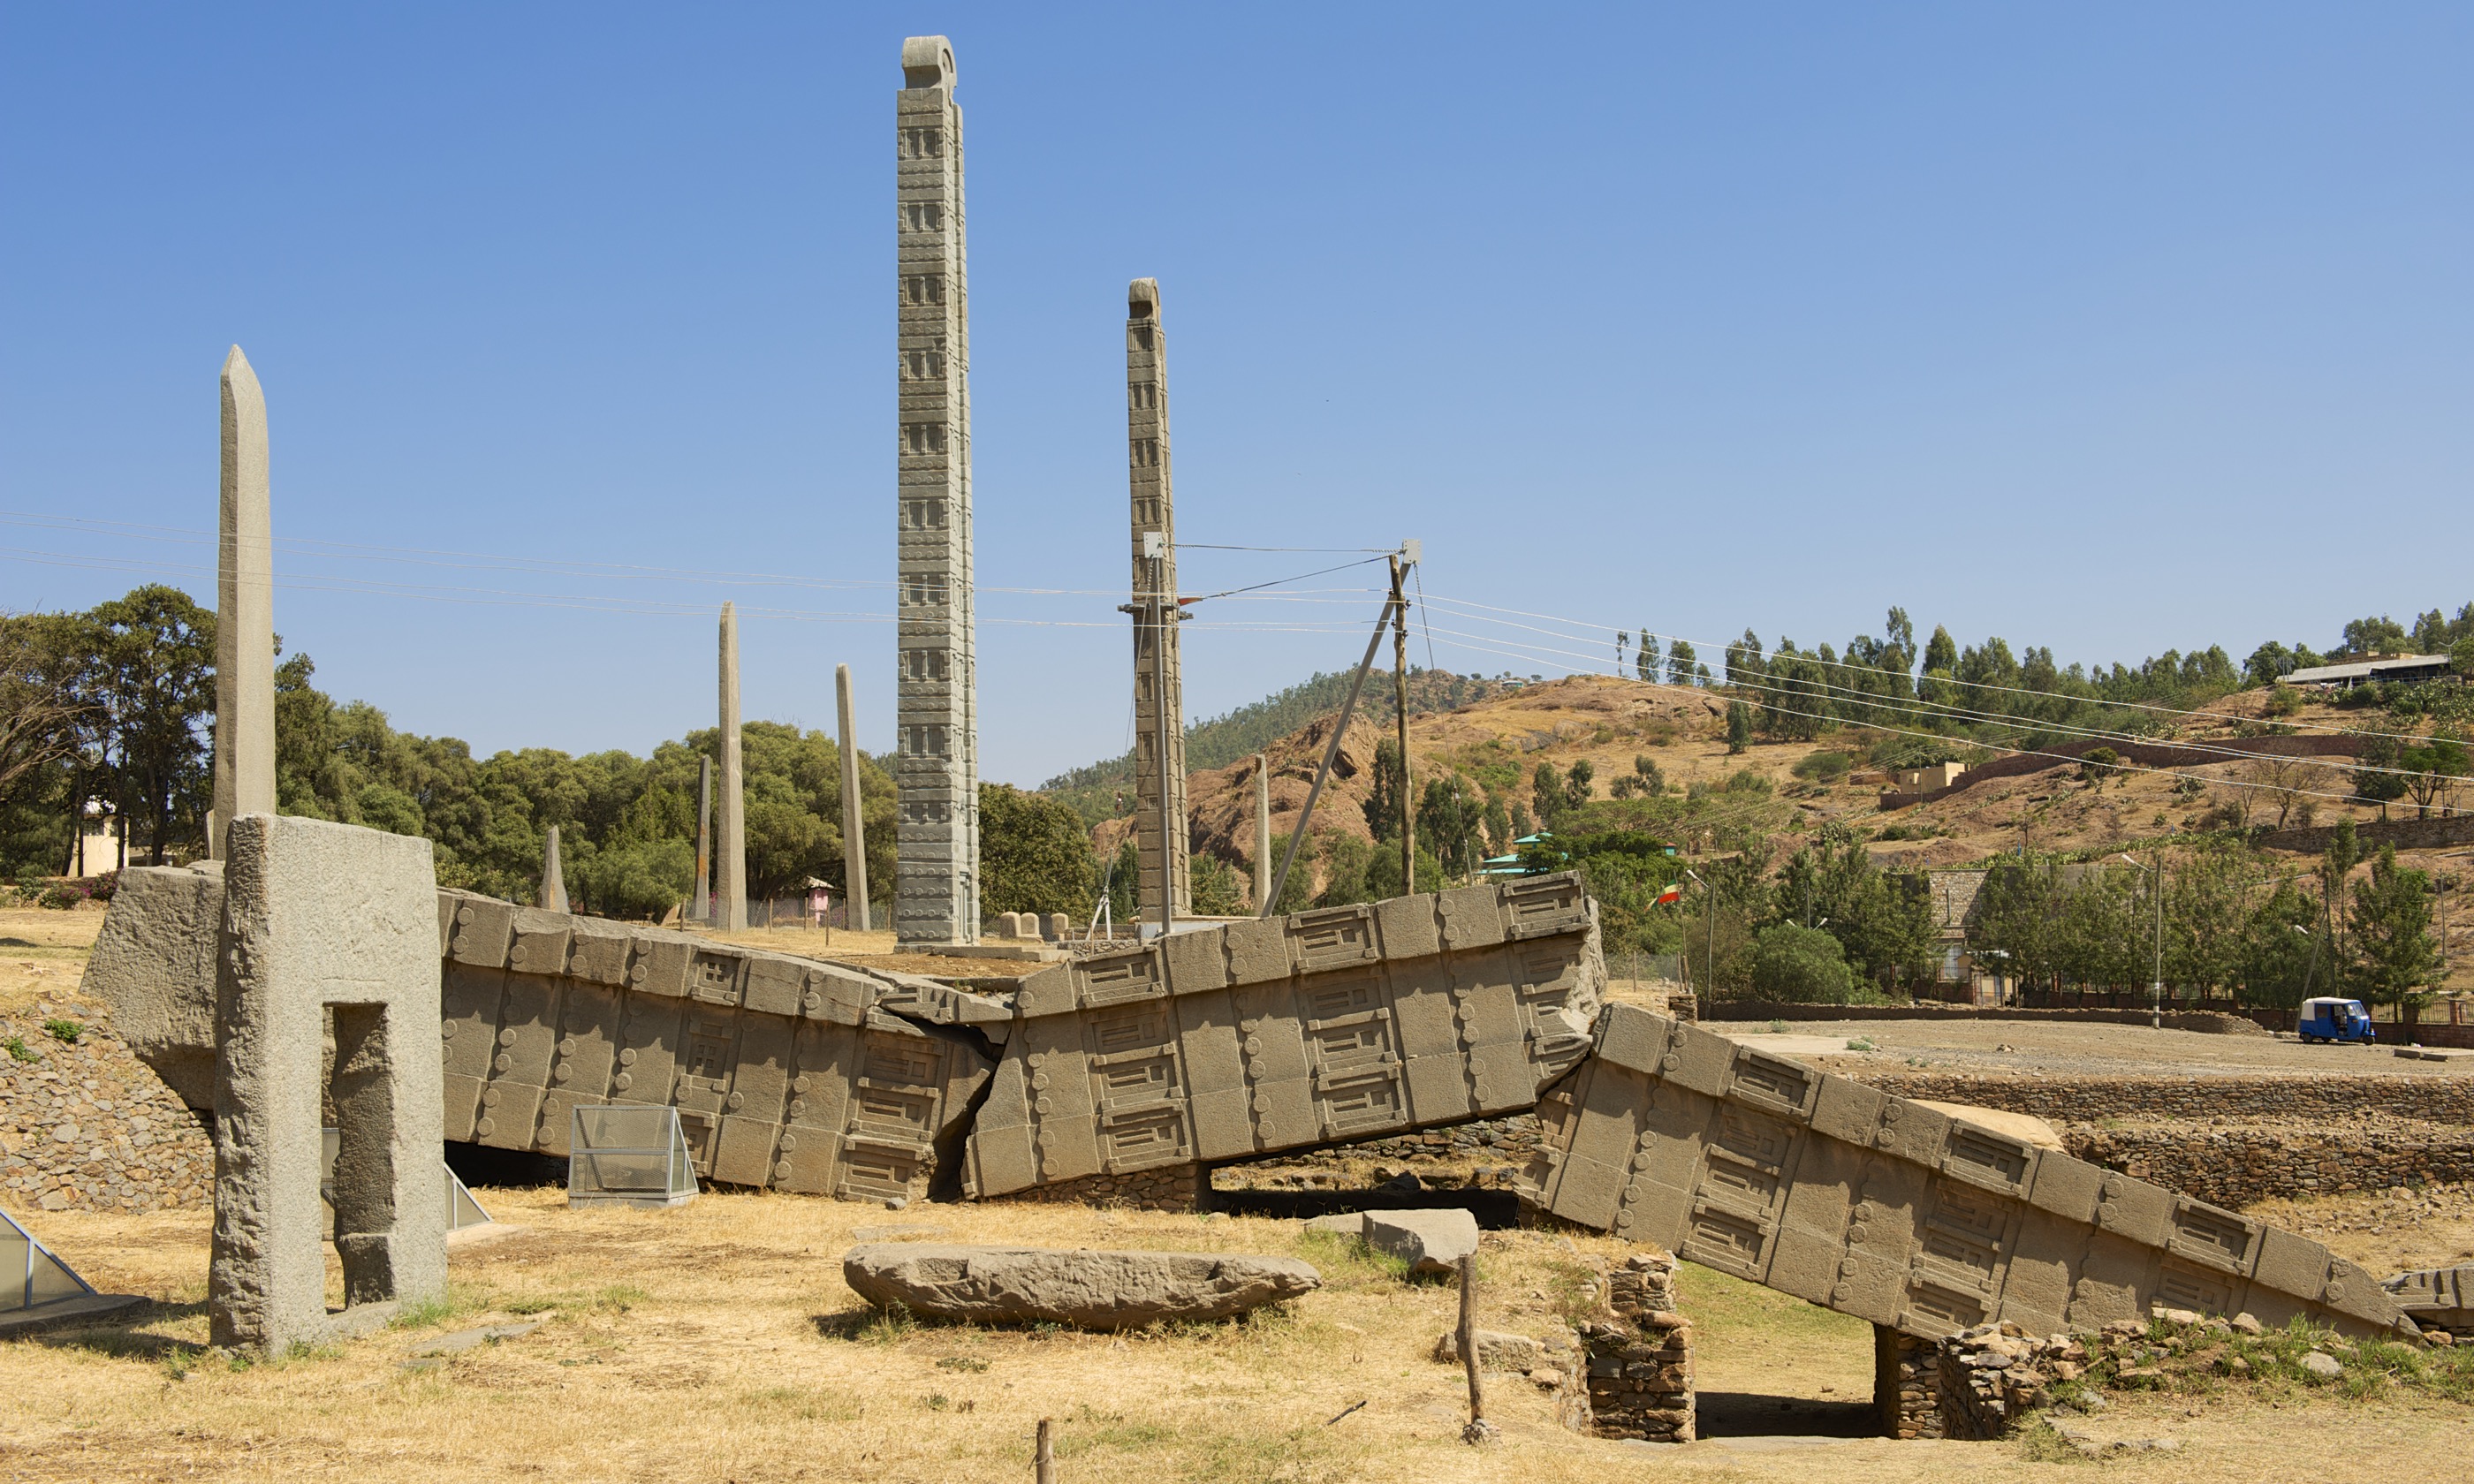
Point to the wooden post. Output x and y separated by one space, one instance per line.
1477 1427
1044 1459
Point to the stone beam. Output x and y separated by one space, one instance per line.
1878 1207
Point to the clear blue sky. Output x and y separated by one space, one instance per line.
2110 327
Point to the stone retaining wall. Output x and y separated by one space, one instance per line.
2236 1163
2060 1100
87 1127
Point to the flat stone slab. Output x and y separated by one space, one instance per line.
2435 1054
66 1312
912 1233
1432 1242
463 1340
1087 1288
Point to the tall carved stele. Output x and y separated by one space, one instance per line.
936 832
1159 722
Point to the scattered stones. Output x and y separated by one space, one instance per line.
1087 1288
2322 1367
2247 1324
2088 1446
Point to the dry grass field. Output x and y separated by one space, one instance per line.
717 1343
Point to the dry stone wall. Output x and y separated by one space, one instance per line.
1640 1356
87 1127
2238 1162
2061 1100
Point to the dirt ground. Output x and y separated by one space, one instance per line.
42 953
2048 1048
717 1343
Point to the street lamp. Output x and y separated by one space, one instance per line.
1709 950
2156 989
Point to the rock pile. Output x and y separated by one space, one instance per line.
84 1126
1994 1374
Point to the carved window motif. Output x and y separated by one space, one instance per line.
1146 512
923 366
923 143
929 741
923 515
716 979
1142 396
924 216
1145 452
926 664
923 288
922 440
706 1053
1126 1030
1143 337
923 590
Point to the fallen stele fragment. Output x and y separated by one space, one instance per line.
1086 1289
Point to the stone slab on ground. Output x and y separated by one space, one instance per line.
1496 1351
1432 1242
2435 1054
1085 1287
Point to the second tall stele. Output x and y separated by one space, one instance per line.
936 770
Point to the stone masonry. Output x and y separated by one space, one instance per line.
936 770
1640 1356
1159 692
87 1127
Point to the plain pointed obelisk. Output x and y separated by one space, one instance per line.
730 856
701 905
854 823
1159 726
936 758
1262 830
553 887
244 759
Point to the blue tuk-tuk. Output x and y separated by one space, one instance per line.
2328 1019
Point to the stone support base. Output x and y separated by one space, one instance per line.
1640 1356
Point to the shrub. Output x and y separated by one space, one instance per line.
1800 965
64 1031
1823 767
62 896
105 886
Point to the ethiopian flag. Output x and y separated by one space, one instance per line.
1674 893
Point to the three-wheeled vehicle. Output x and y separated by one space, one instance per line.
2329 1019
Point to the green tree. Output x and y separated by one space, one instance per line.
1739 726
1744 665
1578 783
1035 854
156 677
2365 638
1450 816
1645 659
1800 964
2433 768
2395 956
1384 791
1681 662
1124 876
1546 793
1213 884
2337 861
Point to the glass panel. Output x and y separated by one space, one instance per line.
13 1251
462 1210
54 1281
682 1166
622 1172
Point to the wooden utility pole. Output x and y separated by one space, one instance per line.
1401 706
1043 1464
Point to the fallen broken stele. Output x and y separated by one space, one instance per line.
1315 1029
